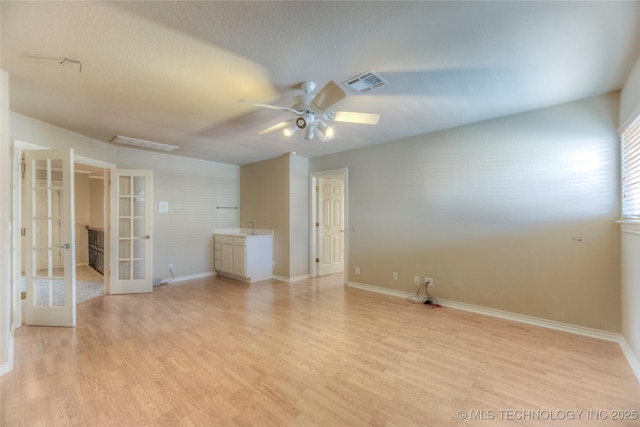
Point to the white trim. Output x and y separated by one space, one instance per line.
380 290
629 226
94 162
635 114
631 357
290 279
187 277
7 366
536 321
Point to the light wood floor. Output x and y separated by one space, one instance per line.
215 352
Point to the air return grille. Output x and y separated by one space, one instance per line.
365 82
141 143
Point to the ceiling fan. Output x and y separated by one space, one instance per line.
313 112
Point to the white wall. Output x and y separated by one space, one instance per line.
5 226
515 214
193 188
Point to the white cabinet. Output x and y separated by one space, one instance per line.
244 257
239 259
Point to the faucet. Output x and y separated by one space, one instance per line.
253 227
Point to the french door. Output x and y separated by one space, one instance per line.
50 256
131 228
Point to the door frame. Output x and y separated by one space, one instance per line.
16 224
313 219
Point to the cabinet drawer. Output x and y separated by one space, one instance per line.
240 241
227 239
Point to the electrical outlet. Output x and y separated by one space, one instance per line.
416 280
428 280
357 271
395 275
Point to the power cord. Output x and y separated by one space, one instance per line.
173 277
426 299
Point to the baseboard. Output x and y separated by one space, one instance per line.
7 366
187 277
290 279
631 357
551 324
566 327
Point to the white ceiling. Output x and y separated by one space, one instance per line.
172 72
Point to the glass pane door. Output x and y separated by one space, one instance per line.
132 210
50 255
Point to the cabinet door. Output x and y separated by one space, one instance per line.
226 258
239 257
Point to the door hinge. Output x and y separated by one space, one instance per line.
23 168
317 224
23 231
317 259
23 295
317 188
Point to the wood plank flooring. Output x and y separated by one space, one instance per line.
216 352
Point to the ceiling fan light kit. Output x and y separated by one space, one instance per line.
313 110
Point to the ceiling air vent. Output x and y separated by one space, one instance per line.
141 143
365 82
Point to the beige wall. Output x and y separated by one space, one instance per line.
274 194
82 216
515 214
264 199
96 203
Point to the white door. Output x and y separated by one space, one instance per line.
331 226
131 226
50 256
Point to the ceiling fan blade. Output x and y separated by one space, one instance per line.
360 118
278 126
328 96
273 107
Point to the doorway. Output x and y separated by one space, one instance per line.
328 233
91 214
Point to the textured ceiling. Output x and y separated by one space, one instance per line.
172 72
